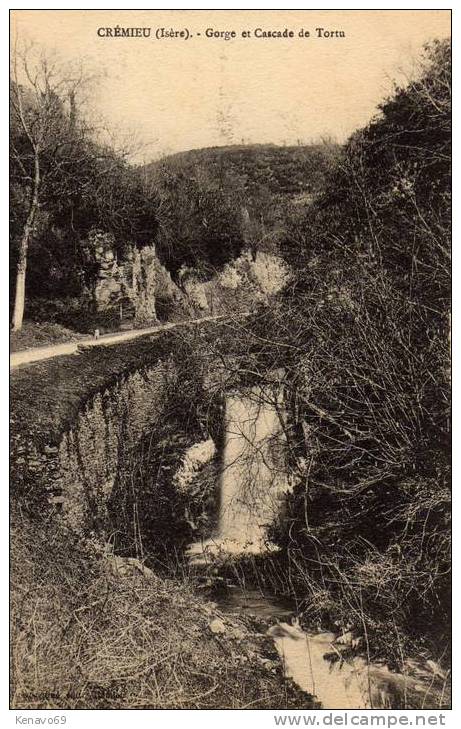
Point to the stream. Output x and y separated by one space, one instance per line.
252 484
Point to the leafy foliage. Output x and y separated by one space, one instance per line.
64 182
215 202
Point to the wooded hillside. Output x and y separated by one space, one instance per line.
198 210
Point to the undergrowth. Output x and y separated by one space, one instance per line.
87 633
46 396
39 334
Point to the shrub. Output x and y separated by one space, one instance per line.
362 336
88 631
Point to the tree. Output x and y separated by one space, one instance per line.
361 337
198 224
47 133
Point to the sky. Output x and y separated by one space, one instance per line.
177 94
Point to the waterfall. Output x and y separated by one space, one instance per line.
250 480
253 475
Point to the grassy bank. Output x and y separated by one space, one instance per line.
39 334
91 631
46 396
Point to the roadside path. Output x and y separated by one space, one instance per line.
27 356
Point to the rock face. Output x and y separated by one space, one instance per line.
217 626
194 459
144 283
134 285
127 567
238 286
140 289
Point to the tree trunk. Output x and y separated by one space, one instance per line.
20 296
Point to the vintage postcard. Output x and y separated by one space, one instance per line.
230 268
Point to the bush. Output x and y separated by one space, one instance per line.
89 631
362 336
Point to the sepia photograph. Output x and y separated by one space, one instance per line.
230 361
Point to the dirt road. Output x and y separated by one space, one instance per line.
27 356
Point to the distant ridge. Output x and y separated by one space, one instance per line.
283 170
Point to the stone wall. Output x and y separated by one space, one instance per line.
129 448
76 477
93 450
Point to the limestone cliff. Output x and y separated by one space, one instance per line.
137 285
141 289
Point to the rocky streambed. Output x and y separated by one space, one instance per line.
328 666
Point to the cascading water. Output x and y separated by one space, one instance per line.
252 478
251 483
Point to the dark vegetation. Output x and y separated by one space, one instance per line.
108 635
47 396
363 339
169 518
65 183
70 191
118 635
215 202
